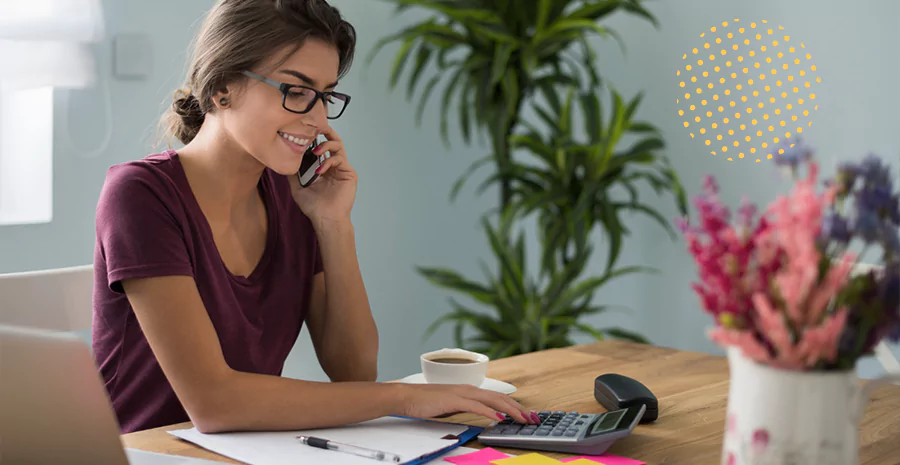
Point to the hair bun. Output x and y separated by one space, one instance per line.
190 115
186 104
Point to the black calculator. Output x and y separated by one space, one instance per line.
567 432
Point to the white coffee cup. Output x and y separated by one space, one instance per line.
454 366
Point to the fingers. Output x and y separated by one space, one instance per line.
502 403
510 407
333 147
337 163
478 408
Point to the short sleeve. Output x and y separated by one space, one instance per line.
138 233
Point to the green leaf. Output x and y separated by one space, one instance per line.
422 57
423 99
641 127
454 281
400 60
635 7
563 26
593 119
610 220
455 81
594 11
590 330
457 186
620 333
543 15
502 53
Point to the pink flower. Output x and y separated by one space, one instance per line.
763 280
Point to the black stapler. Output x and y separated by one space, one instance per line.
614 391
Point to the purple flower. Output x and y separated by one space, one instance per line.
890 240
889 292
846 177
894 335
867 226
876 198
793 156
874 172
893 210
835 227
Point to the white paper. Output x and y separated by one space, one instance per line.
410 439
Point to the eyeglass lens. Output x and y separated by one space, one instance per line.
300 99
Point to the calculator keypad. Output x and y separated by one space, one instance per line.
554 425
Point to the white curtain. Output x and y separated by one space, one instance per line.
47 42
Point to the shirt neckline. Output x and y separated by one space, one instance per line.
265 189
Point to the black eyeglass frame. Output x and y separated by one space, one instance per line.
284 88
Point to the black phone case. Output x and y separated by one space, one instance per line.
310 162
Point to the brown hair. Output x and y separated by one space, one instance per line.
236 36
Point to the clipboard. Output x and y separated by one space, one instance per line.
271 448
471 433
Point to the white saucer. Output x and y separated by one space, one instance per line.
489 383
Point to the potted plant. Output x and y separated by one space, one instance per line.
793 313
496 60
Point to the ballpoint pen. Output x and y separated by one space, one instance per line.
349 448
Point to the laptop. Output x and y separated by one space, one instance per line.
54 408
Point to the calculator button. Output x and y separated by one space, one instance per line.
511 429
558 432
573 413
542 433
559 412
544 412
579 422
571 434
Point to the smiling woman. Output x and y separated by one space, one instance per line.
210 258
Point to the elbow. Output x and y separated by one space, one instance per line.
212 408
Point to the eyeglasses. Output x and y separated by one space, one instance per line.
302 99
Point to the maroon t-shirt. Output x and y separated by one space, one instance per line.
149 224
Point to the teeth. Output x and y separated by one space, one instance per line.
293 139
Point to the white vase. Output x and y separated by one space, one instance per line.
782 417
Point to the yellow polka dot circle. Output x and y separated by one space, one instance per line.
746 88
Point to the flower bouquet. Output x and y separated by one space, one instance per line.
792 307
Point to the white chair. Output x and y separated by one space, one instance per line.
883 352
57 300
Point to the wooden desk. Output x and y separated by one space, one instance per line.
692 389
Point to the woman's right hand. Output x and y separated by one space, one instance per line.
433 400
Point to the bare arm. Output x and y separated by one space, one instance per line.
340 319
217 398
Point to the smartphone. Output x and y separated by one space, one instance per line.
309 165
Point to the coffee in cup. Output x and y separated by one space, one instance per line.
454 366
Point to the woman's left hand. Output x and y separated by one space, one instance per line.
330 198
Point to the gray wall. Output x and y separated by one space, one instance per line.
402 215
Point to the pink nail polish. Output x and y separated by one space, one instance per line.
501 416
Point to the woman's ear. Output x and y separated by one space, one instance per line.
222 99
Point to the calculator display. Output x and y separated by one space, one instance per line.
607 422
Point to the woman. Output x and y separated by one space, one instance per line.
209 259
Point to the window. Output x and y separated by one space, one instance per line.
26 155
44 44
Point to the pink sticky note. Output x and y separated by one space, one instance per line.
481 457
605 459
